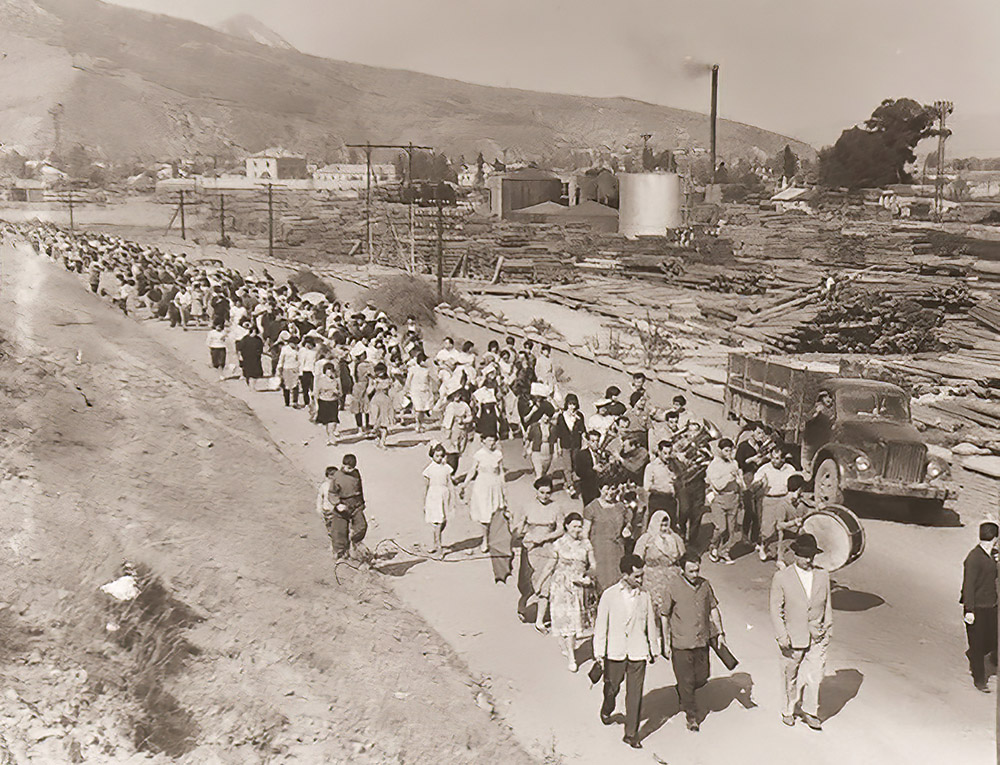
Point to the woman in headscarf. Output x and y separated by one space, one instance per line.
660 547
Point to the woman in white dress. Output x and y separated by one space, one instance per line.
438 494
420 389
487 478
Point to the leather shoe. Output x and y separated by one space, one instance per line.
633 742
984 688
812 721
692 724
606 719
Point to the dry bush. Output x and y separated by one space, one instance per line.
545 328
404 295
658 345
306 281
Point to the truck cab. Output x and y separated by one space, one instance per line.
870 445
854 434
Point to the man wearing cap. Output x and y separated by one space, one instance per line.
802 616
979 603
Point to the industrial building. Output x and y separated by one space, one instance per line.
595 216
355 176
518 189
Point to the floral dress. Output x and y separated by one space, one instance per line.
566 599
380 402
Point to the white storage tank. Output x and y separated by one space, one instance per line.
648 203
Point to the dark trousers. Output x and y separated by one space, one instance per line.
751 517
982 636
634 674
346 528
690 509
306 384
691 671
291 396
218 357
452 459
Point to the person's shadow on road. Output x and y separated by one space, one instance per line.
836 690
661 704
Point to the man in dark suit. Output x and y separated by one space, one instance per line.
979 602
586 465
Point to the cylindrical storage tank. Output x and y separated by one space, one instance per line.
648 203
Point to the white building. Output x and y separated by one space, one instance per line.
276 164
355 176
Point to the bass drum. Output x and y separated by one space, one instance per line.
839 535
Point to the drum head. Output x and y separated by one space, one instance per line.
833 537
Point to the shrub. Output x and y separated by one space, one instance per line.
306 281
545 328
404 295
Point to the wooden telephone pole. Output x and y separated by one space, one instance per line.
409 147
943 109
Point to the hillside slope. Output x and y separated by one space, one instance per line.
138 84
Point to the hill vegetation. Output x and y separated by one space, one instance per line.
132 84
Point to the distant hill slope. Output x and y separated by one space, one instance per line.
246 27
137 84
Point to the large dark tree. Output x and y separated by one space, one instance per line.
790 163
877 153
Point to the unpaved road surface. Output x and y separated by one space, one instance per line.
114 449
897 688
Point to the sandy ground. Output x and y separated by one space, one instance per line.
897 688
114 448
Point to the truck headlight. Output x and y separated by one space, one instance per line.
934 469
862 464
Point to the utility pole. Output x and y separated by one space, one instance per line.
715 114
440 240
943 109
270 222
409 206
183 228
368 147
70 199
222 218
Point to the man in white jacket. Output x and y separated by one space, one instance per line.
626 638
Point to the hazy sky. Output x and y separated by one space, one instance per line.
806 68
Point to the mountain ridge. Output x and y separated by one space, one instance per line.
136 84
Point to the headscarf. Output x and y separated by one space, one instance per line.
669 543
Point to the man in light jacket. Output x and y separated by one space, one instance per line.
802 616
626 638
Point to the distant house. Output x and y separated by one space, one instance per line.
355 176
276 164
468 174
794 198
27 190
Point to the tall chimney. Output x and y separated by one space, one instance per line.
715 112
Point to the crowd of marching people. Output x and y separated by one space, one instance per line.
610 544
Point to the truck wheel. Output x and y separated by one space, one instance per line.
827 484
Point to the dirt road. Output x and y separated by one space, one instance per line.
114 448
897 689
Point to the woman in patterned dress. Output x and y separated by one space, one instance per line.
380 403
567 573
